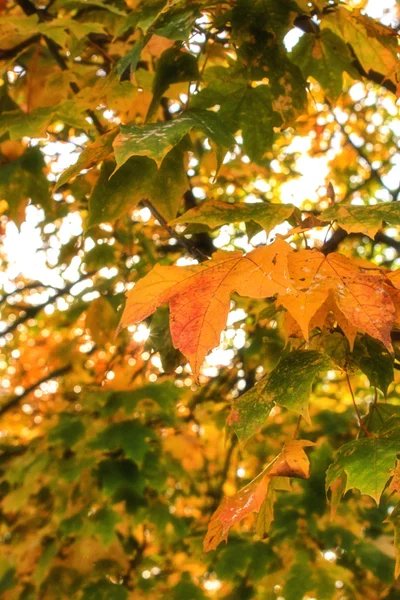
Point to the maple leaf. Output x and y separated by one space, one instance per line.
291 462
216 213
288 384
199 295
359 292
366 464
363 219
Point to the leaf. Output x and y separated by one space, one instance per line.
177 22
291 462
324 56
139 179
243 107
375 362
366 463
376 52
289 385
130 436
120 475
266 515
199 295
174 66
101 320
156 140
215 213
92 155
69 430
359 292
7 575
102 523
23 179
363 219
131 58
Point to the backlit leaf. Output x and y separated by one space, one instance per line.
363 219
291 462
288 385
156 140
199 295
366 463
215 213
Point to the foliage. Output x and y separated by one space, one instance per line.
200 329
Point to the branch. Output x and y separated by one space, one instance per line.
16 398
182 241
32 311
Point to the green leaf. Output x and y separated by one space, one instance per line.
177 23
299 579
265 516
93 154
241 107
324 56
214 214
116 475
257 120
156 140
69 430
374 360
374 51
289 384
132 57
138 179
174 66
380 413
49 552
185 589
366 463
363 219
102 523
130 436
273 16
23 179
7 575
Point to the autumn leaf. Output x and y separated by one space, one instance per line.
360 293
291 462
215 213
199 295
363 219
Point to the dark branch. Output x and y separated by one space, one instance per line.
14 400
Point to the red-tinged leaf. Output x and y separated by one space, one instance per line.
291 462
359 293
199 295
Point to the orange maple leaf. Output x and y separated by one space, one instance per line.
291 462
359 297
199 295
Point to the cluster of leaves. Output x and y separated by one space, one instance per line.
151 147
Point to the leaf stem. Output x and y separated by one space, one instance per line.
360 422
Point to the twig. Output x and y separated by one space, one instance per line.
193 250
32 311
360 421
18 397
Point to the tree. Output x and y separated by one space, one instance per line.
200 302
